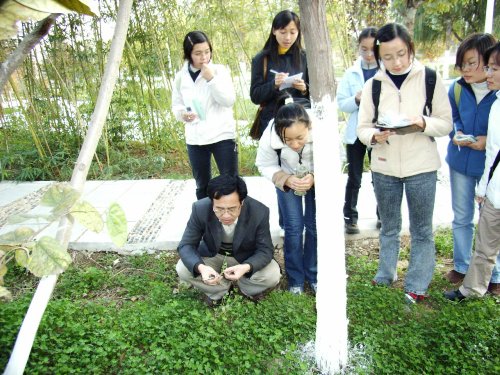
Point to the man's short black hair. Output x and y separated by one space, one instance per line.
226 184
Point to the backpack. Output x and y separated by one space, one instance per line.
430 84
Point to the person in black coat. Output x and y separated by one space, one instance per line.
281 57
226 240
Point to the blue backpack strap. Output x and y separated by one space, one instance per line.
376 88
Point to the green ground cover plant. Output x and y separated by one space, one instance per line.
127 314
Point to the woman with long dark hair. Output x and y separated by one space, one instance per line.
281 57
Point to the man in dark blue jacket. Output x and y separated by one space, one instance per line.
227 240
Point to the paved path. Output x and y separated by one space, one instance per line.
157 210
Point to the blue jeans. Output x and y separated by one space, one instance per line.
463 204
225 155
420 191
301 256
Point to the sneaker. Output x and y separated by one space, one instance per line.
454 295
454 277
314 287
351 228
494 288
413 298
297 290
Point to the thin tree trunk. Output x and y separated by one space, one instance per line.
29 42
331 297
26 336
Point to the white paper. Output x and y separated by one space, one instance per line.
288 82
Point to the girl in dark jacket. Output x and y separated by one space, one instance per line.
281 57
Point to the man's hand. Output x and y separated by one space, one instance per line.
209 275
236 272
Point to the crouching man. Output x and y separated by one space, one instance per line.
228 229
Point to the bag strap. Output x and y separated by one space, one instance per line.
430 84
376 87
457 91
264 63
495 163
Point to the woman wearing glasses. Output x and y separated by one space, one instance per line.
348 98
285 157
404 162
471 100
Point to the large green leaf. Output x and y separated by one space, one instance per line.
59 6
87 215
17 237
116 223
12 11
22 257
19 218
60 196
48 258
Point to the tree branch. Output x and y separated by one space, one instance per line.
25 47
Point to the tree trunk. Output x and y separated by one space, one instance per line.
409 14
27 332
331 297
29 42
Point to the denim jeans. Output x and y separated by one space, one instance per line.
355 160
225 155
301 256
420 191
463 204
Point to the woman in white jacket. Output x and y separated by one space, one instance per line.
407 162
348 99
202 97
477 281
285 157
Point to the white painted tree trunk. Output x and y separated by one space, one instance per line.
331 298
29 327
488 22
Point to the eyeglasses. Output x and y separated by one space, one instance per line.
219 211
471 66
390 58
489 69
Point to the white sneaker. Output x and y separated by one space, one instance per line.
314 287
297 290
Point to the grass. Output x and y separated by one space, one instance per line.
118 314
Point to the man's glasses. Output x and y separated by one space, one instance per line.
219 211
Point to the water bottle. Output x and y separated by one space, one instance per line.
196 119
301 171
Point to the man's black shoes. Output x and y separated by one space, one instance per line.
454 295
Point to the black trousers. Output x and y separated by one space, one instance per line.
355 159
